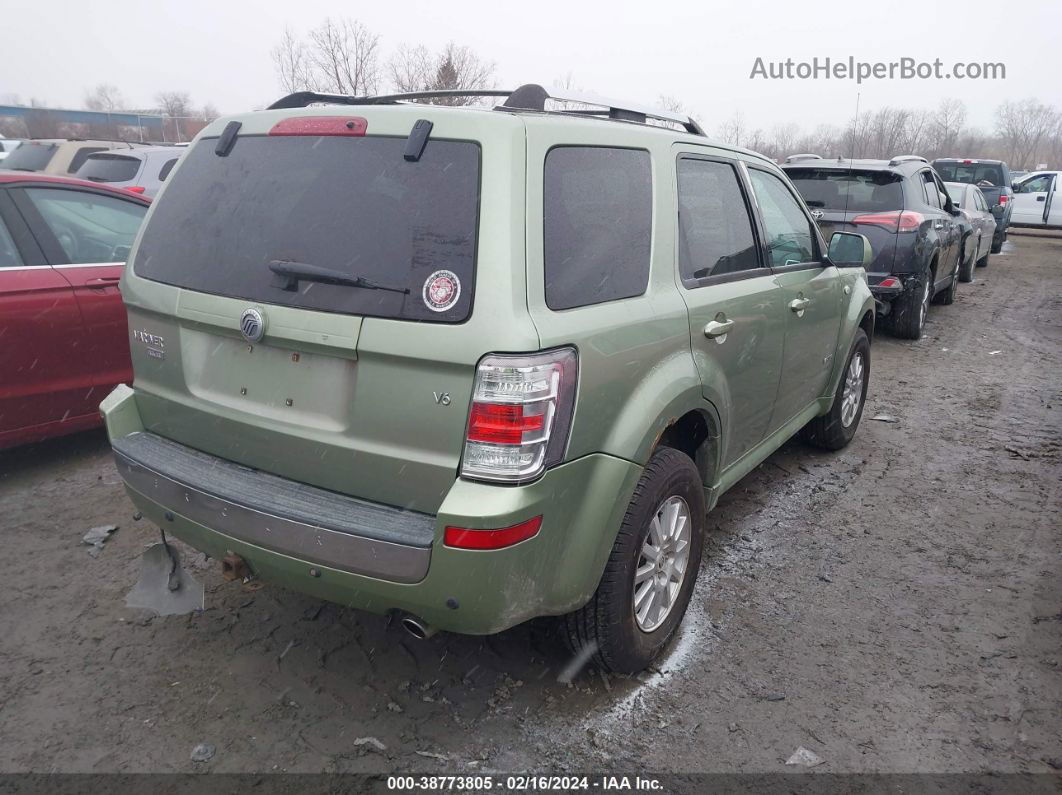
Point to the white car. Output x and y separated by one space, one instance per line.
8 145
1036 202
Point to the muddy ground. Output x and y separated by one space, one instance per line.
896 606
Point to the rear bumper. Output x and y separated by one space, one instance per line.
379 558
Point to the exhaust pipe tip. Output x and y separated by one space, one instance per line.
417 628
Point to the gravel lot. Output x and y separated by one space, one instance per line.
894 607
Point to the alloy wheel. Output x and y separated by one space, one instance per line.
853 390
662 563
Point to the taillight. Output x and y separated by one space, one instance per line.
1003 199
320 125
896 220
890 281
468 538
135 189
520 415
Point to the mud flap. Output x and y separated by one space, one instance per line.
164 585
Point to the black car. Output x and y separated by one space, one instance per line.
902 207
995 181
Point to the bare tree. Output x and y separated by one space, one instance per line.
733 131
455 67
292 64
209 112
104 97
947 125
174 103
344 57
1022 126
670 103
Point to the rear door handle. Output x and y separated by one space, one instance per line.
718 329
798 305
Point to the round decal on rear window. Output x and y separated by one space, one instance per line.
441 291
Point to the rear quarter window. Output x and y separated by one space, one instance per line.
597 222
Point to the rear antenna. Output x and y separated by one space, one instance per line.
848 190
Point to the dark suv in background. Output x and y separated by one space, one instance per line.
902 207
993 178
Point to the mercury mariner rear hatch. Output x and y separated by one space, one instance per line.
310 297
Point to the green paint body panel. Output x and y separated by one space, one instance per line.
348 403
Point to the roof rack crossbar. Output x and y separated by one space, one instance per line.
527 97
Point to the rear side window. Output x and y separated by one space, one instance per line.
852 191
349 209
30 157
105 167
9 256
81 156
597 219
929 187
167 167
715 230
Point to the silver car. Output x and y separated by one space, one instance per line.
140 170
977 243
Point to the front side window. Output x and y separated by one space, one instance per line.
715 230
89 227
790 239
1036 184
597 224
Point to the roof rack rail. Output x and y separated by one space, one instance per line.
906 159
798 158
530 97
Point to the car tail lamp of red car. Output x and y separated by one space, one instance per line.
520 415
321 125
468 538
894 221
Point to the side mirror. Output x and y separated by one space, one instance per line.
849 250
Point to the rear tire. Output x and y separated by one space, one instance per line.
909 311
608 623
836 428
983 262
997 243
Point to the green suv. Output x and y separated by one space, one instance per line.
474 366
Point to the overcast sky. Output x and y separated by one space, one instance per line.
700 52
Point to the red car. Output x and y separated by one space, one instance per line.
63 338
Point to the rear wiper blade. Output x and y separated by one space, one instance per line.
289 274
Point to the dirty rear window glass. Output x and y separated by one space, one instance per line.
109 168
986 175
30 157
349 205
854 191
598 216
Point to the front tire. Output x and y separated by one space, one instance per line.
835 429
649 577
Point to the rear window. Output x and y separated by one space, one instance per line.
597 220
30 157
351 206
985 175
855 190
109 168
